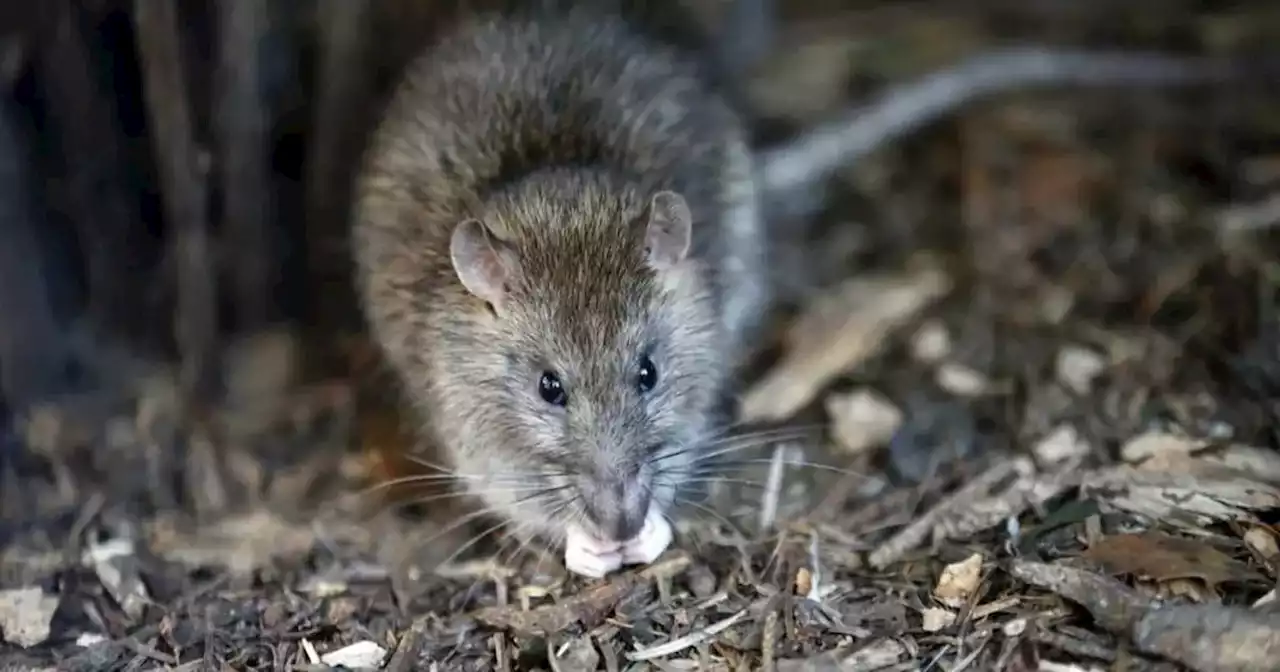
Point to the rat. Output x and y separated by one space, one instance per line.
560 247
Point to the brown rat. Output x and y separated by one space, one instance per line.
558 248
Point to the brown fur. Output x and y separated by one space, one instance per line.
554 126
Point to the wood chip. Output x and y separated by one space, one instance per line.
959 581
862 419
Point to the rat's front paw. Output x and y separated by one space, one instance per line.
588 556
654 538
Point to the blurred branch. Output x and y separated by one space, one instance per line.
241 121
343 86
183 189
93 158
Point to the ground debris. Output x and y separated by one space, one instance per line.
1161 557
841 331
359 656
25 614
1210 637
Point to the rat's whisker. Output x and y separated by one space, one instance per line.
731 429
708 510
476 538
420 481
699 452
418 501
720 479
706 453
423 462
447 473
712 441
478 513
790 432
718 467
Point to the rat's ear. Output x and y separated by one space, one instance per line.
484 264
670 229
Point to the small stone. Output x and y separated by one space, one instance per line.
364 655
931 343
25 615
961 380
1077 368
862 419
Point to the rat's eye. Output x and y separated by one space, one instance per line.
551 390
648 376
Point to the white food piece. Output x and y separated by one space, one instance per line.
654 538
590 556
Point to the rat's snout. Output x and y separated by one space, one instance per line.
617 503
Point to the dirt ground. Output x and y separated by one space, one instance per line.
1021 418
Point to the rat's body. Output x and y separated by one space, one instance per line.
561 252
563 194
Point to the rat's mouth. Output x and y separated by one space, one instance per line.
594 556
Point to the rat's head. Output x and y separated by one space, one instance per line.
603 331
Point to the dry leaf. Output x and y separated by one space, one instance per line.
1158 444
1162 558
862 419
959 581
836 334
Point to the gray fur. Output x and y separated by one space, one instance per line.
554 128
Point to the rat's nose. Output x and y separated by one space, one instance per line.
618 505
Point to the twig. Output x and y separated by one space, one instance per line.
182 186
343 86
690 640
910 106
773 487
33 347
406 655
241 126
